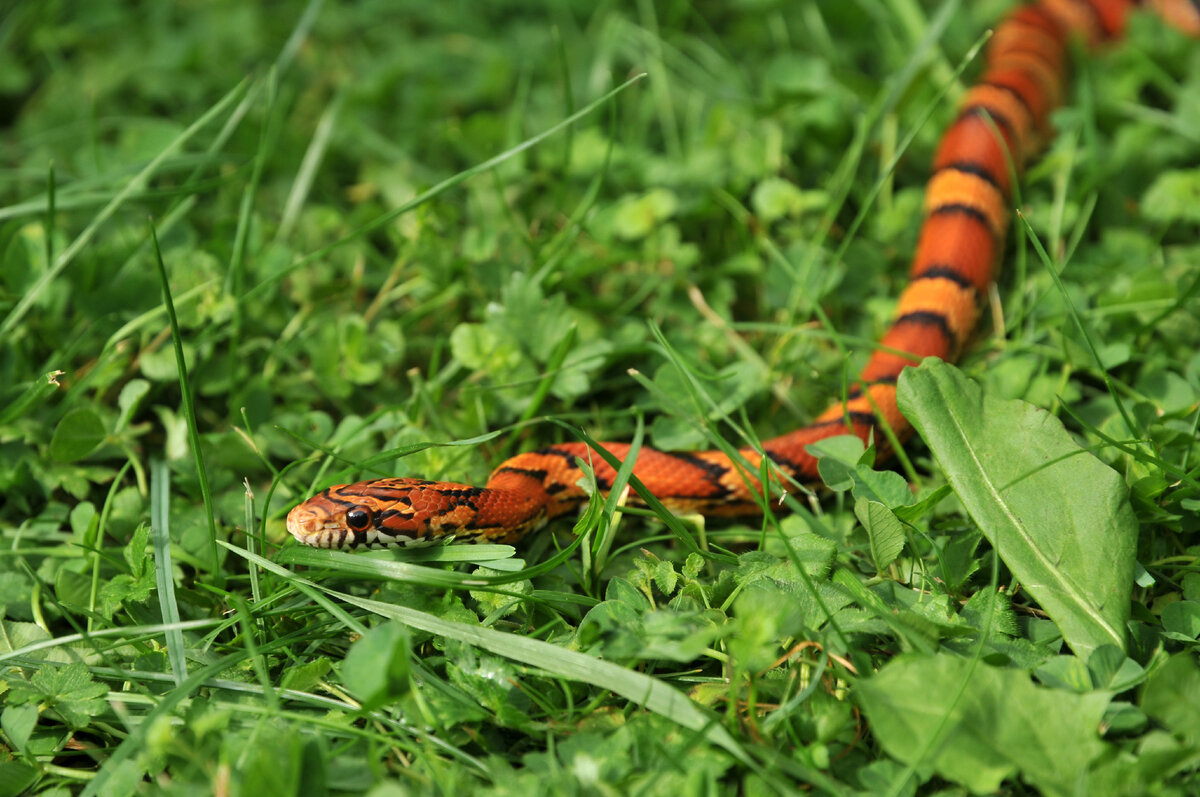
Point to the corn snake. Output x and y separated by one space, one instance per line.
1001 125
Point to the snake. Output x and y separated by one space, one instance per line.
1002 122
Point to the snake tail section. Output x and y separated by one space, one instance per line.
1002 122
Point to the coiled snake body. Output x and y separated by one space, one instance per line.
1002 123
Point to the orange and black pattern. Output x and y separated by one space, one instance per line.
1002 122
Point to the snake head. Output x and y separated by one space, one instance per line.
385 513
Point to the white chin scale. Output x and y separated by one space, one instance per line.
336 537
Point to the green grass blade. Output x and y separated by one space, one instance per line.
189 411
160 482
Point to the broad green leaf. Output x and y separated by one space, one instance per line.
473 345
883 486
1181 620
15 588
529 315
1066 672
884 530
844 463
160 365
1111 669
71 588
123 587
18 722
1059 518
306 677
958 559
1158 755
15 778
636 217
665 577
775 197
84 519
1174 196
506 601
837 458
377 667
79 433
273 764
1172 696
17 636
978 725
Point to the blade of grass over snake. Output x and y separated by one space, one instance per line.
653 504
596 556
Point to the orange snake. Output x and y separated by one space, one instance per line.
1002 121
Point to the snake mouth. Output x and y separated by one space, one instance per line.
308 528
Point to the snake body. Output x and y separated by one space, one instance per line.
1001 124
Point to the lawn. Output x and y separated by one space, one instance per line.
254 249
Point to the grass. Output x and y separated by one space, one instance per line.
416 240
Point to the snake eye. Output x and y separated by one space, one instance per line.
358 519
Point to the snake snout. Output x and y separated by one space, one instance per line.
311 526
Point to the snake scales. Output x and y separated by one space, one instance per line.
1002 123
